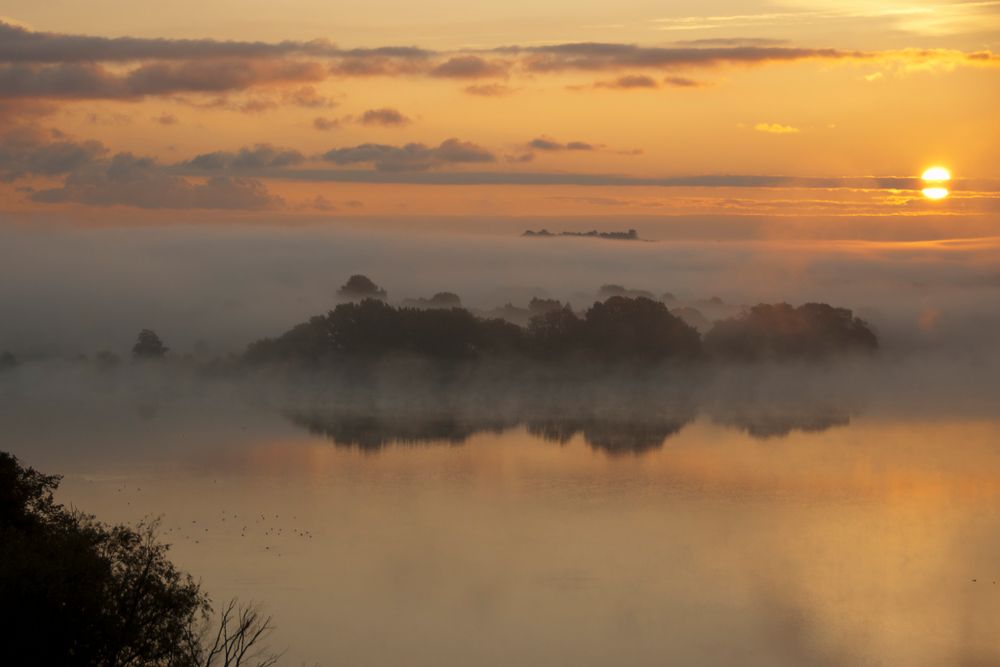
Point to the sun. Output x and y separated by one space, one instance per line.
934 179
936 174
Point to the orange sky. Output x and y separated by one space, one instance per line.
302 109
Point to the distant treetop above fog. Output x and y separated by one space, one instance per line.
439 300
630 235
149 346
620 290
360 287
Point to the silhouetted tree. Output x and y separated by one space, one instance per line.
74 591
610 290
777 331
149 346
360 287
439 300
556 333
237 640
623 329
539 306
693 317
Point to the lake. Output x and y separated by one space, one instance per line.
866 539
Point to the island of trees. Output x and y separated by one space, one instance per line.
630 235
626 327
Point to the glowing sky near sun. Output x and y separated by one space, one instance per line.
388 108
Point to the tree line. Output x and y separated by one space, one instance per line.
618 329
622 327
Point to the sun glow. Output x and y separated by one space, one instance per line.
936 174
935 178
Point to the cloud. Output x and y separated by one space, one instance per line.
937 18
165 119
260 156
776 128
308 97
629 82
258 102
218 76
30 151
597 56
424 177
63 66
385 61
682 82
385 117
643 81
128 180
109 118
410 157
488 90
470 67
92 81
19 44
550 145
731 41
325 124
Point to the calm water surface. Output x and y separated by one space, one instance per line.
869 541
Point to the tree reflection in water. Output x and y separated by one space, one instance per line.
617 433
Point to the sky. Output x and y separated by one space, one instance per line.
115 112
216 169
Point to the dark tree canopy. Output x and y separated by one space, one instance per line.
538 306
372 328
439 300
149 346
556 333
360 287
619 290
638 329
77 592
74 591
776 331
620 330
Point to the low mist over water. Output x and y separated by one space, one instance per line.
599 528
68 291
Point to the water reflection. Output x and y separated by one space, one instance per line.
765 425
615 434
373 432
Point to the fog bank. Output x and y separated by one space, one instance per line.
68 291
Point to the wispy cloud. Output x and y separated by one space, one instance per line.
410 157
385 116
470 67
921 18
776 128
489 90
259 156
127 180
